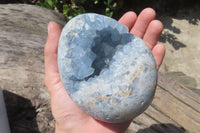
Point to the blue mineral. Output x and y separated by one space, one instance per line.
108 72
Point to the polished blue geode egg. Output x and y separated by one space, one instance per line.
108 72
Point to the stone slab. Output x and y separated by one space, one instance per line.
181 36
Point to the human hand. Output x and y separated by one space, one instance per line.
69 118
145 27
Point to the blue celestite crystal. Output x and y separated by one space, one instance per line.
108 72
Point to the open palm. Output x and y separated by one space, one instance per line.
69 118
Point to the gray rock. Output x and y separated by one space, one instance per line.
107 71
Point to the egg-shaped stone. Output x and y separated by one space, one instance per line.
108 72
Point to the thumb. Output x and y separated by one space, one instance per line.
50 55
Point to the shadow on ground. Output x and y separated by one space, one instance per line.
190 15
163 128
180 9
185 80
21 113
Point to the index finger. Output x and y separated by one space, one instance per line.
128 19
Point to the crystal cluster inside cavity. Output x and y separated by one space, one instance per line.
90 55
109 73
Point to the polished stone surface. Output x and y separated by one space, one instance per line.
108 72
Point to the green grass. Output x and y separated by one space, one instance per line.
71 8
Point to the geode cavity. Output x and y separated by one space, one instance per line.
108 72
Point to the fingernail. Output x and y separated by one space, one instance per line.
49 27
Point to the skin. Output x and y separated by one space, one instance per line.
69 118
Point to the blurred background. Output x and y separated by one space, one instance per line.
112 8
23 31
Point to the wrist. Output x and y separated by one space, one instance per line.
59 130
101 127
91 130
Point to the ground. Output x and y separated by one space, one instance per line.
181 38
